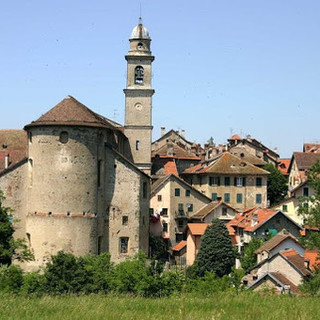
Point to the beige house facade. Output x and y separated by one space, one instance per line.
227 177
172 203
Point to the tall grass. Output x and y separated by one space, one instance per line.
184 307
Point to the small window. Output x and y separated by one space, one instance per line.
224 211
180 207
187 193
258 182
214 196
190 207
144 190
258 198
124 244
214 181
306 192
138 75
64 137
239 181
99 173
159 197
164 227
285 208
239 197
177 192
227 181
180 224
227 197
124 220
164 211
151 211
137 144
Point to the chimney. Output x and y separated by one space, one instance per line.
163 131
183 134
6 161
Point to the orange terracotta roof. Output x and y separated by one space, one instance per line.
170 168
14 144
193 169
283 166
314 258
179 246
235 137
231 230
255 218
197 229
70 111
227 163
298 261
208 208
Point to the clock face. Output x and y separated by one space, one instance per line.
138 106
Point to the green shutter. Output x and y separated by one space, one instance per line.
244 181
235 181
218 181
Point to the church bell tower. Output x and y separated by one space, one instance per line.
138 97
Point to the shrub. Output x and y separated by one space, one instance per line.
34 283
11 278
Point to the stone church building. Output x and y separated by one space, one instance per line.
79 182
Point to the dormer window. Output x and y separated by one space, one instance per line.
138 75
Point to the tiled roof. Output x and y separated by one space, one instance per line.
227 163
205 210
253 219
70 111
235 137
305 160
275 241
314 258
295 259
283 166
172 150
179 246
247 156
208 208
14 144
158 182
197 229
170 167
285 281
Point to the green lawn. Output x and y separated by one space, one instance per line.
220 306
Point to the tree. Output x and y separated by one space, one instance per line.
249 258
216 253
6 234
10 248
277 187
309 207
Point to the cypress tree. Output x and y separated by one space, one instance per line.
216 253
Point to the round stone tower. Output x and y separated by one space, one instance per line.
65 205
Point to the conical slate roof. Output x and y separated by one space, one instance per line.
71 112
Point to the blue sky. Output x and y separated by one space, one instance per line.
221 67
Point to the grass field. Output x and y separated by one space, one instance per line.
220 306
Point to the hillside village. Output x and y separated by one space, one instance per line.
82 183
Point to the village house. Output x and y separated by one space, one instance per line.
238 183
259 223
281 265
173 202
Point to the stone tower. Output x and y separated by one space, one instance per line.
138 95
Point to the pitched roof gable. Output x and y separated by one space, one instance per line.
176 152
70 111
208 208
304 160
296 260
197 229
276 241
178 247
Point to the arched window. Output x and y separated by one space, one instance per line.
138 75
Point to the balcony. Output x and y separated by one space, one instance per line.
181 214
